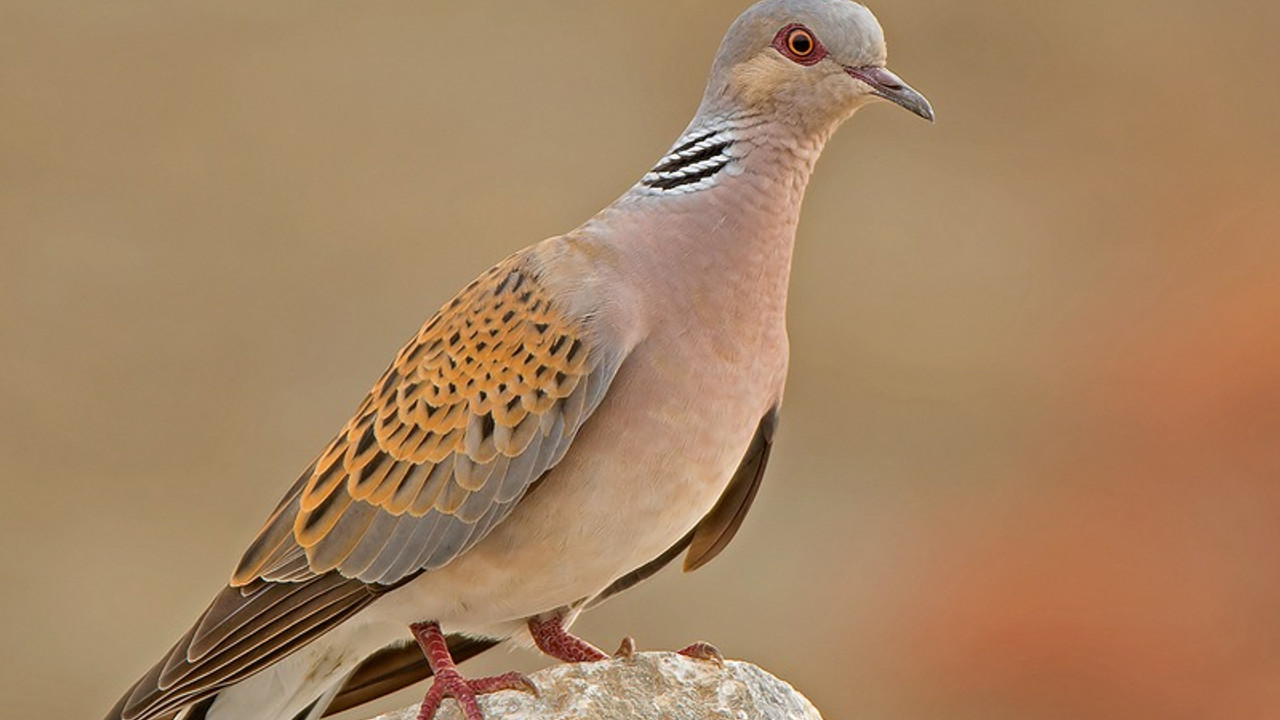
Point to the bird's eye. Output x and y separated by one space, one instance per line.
798 44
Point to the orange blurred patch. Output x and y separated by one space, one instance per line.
1144 582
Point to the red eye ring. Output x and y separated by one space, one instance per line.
799 44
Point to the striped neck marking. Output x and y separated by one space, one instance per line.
692 165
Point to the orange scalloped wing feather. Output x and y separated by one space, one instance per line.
483 401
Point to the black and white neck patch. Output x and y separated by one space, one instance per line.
692 165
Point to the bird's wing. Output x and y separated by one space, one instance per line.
484 400
476 407
713 533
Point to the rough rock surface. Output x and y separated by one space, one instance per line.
648 686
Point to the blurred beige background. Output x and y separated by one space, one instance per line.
1029 465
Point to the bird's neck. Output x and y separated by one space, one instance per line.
718 148
717 214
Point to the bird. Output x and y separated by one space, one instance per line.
583 413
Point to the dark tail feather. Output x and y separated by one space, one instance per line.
395 667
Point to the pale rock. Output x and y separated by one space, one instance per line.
649 686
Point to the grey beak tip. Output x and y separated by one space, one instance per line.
890 87
913 102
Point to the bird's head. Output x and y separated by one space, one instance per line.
807 62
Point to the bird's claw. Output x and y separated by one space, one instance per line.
449 684
626 649
703 651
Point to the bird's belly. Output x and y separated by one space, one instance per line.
649 464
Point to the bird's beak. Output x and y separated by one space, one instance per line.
890 87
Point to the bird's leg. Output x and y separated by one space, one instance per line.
551 638
449 683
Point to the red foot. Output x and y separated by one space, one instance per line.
551 638
704 651
449 683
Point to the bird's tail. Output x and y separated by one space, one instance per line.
392 668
